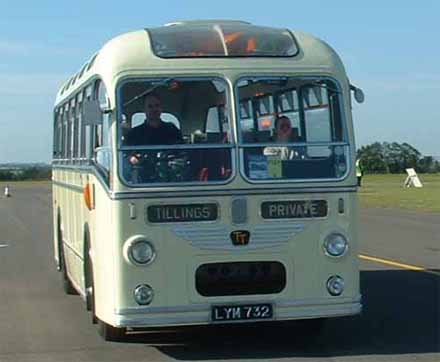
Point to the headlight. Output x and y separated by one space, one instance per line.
139 251
335 245
143 294
335 285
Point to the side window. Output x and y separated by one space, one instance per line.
265 113
168 117
217 125
82 127
58 140
79 133
88 135
97 129
138 118
246 115
287 105
66 133
317 114
74 125
103 154
213 120
317 119
62 135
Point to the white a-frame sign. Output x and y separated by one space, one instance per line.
412 179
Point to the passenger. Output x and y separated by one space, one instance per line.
283 134
153 131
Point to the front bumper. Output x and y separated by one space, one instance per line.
200 314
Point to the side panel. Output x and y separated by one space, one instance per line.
103 234
70 211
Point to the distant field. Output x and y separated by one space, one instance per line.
387 191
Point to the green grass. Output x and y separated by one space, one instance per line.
387 191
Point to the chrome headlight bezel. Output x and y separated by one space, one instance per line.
143 289
333 247
138 241
332 281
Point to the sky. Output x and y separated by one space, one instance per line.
390 49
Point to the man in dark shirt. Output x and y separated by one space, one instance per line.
153 131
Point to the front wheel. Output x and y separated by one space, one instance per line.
106 331
110 333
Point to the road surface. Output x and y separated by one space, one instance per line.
400 321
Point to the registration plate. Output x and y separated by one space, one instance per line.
224 313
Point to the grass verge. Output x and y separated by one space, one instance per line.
387 191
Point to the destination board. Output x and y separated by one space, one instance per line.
294 209
181 213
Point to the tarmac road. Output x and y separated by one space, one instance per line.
400 321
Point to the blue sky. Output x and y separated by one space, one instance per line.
390 49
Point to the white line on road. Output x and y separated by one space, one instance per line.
3 245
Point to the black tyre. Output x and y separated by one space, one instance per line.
88 275
90 287
311 329
66 283
110 333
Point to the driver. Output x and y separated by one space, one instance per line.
153 131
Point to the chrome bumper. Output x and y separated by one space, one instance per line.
200 314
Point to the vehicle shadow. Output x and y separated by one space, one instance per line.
400 316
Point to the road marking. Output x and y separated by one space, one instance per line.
399 265
3 245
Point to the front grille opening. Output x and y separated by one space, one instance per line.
240 278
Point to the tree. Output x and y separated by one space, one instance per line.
6 176
427 164
371 159
394 158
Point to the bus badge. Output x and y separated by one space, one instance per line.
240 237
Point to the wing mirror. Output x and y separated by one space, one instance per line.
358 94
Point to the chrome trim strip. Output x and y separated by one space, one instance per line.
81 293
316 301
86 169
204 318
71 187
161 321
70 247
159 310
352 309
206 306
231 192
